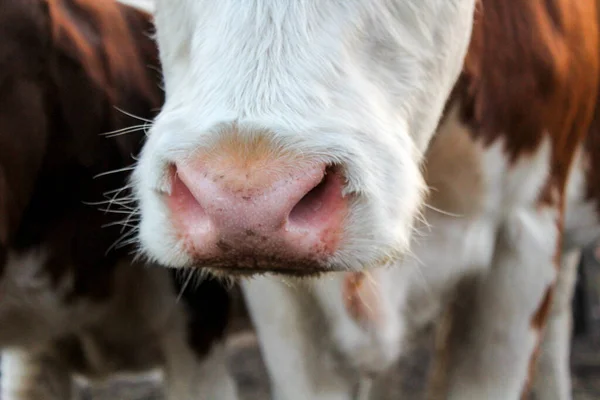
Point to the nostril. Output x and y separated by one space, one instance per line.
315 202
181 199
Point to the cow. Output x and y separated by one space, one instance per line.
513 196
298 139
74 301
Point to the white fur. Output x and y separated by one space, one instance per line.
359 83
294 342
492 360
553 379
144 5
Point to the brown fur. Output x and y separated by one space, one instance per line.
65 65
361 298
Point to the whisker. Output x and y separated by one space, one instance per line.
126 206
131 219
139 255
133 115
128 186
108 210
126 132
123 131
127 242
115 197
115 171
185 285
121 201
120 242
443 212
122 222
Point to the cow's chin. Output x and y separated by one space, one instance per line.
249 268
252 267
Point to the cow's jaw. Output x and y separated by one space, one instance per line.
355 87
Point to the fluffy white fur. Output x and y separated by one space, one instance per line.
357 83
144 5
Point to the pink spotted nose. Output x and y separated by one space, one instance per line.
264 216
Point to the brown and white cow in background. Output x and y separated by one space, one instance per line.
292 141
67 306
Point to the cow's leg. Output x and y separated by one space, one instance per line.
495 333
295 349
34 376
189 376
553 378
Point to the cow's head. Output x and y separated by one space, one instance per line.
292 133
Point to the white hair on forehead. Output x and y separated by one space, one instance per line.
296 57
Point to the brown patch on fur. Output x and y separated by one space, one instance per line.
82 27
360 292
453 169
23 55
64 67
532 71
539 318
351 293
538 323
